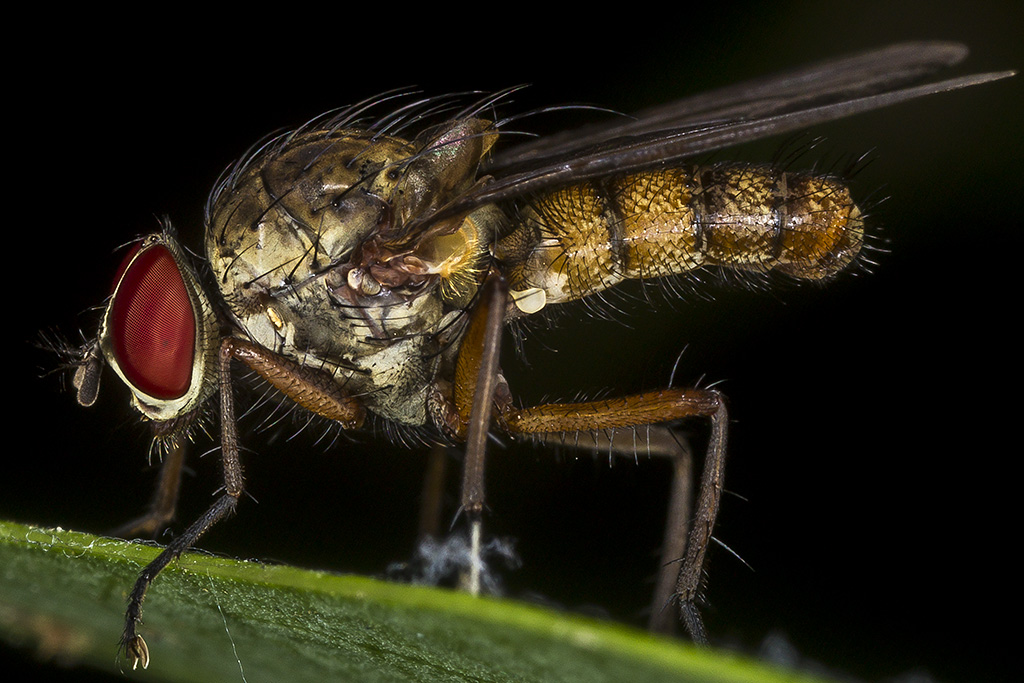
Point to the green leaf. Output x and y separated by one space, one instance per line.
215 619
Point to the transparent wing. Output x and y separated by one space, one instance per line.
813 86
730 116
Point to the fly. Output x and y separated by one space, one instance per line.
366 264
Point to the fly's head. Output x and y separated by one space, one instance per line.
319 241
159 333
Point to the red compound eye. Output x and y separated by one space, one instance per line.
152 325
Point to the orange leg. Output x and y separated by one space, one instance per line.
480 396
648 409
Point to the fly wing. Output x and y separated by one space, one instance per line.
817 85
704 123
637 152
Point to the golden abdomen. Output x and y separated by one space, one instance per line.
585 238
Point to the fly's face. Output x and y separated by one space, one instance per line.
159 334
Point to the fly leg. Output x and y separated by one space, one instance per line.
480 392
476 383
165 497
168 436
309 387
432 497
660 442
648 409
132 643
673 547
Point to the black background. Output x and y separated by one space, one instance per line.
872 441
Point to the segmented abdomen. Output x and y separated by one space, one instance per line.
585 238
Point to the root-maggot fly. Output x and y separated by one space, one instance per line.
366 264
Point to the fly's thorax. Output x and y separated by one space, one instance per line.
281 218
385 351
314 251
585 238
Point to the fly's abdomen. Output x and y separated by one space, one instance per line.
586 238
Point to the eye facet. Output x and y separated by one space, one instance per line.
153 324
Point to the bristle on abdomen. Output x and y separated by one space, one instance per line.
583 239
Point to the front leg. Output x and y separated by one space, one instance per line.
164 503
308 387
